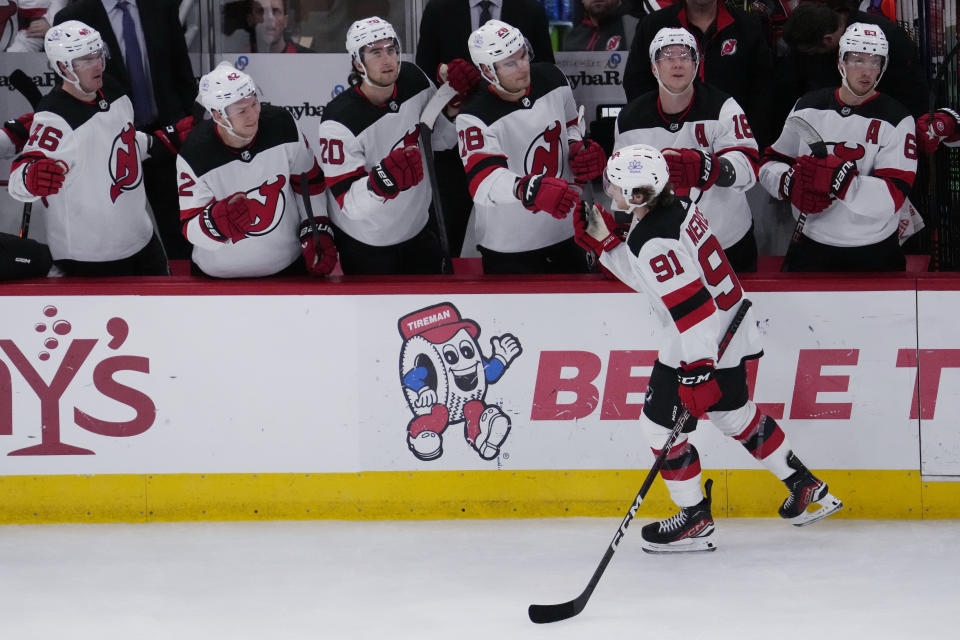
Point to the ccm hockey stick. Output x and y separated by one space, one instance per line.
543 613
818 149
427 120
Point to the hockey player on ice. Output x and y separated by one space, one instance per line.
521 148
445 377
705 137
374 169
853 195
673 257
241 189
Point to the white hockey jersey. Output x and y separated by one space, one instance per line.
501 141
100 213
268 172
713 123
879 136
355 135
18 15
673 257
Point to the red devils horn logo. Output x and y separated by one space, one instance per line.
544 155
125 163
410 139
267 202
842 151
729 47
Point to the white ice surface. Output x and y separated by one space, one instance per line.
849 579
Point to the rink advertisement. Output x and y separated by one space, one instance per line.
531 383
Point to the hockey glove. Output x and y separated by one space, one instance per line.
698 388
595 229
228 219
794 190
462 76
831 175
587 160
44 177
539 192
173 135
691 168
319 251
399 171
932 128
18 130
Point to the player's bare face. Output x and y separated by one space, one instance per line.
514 72
676 66
245 117
862 70
89 71
382 60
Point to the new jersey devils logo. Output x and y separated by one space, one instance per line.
544 154
613 43
842 151
267 203
410 139
729 47
124 163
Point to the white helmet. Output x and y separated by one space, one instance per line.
365 32
669 36
222 87
863 38
636 166
492 42
68 41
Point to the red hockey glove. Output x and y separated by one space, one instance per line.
831 175
173 135
691 168
799 195
228 219
399 171
932 128
698 388
319 251
44 176
538 192
462 76
587 160
594 229
18 130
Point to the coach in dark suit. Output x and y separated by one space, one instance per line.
163 91
445 27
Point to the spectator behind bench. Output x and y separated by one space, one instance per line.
606 25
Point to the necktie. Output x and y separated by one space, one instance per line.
485 12
142 109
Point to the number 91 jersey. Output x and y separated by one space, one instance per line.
672 256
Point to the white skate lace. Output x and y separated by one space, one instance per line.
675 522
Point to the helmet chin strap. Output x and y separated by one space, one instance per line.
656 74
76 79
229 128
365 77
495 81
843 78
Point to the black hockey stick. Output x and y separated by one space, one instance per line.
818 149
428 118
25 219
22 83
543 613
308 207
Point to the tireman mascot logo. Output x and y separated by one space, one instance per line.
445 376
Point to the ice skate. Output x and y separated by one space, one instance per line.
687 531
806 490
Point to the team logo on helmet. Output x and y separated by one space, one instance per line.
84 32
124 163
502 31
233 76
267 203
544 154
729 47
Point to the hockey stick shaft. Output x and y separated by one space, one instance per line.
308 208
818 149
544 613
428 118
22 83
25 219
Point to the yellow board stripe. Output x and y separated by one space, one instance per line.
441 495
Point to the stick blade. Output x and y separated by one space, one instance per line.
546 613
